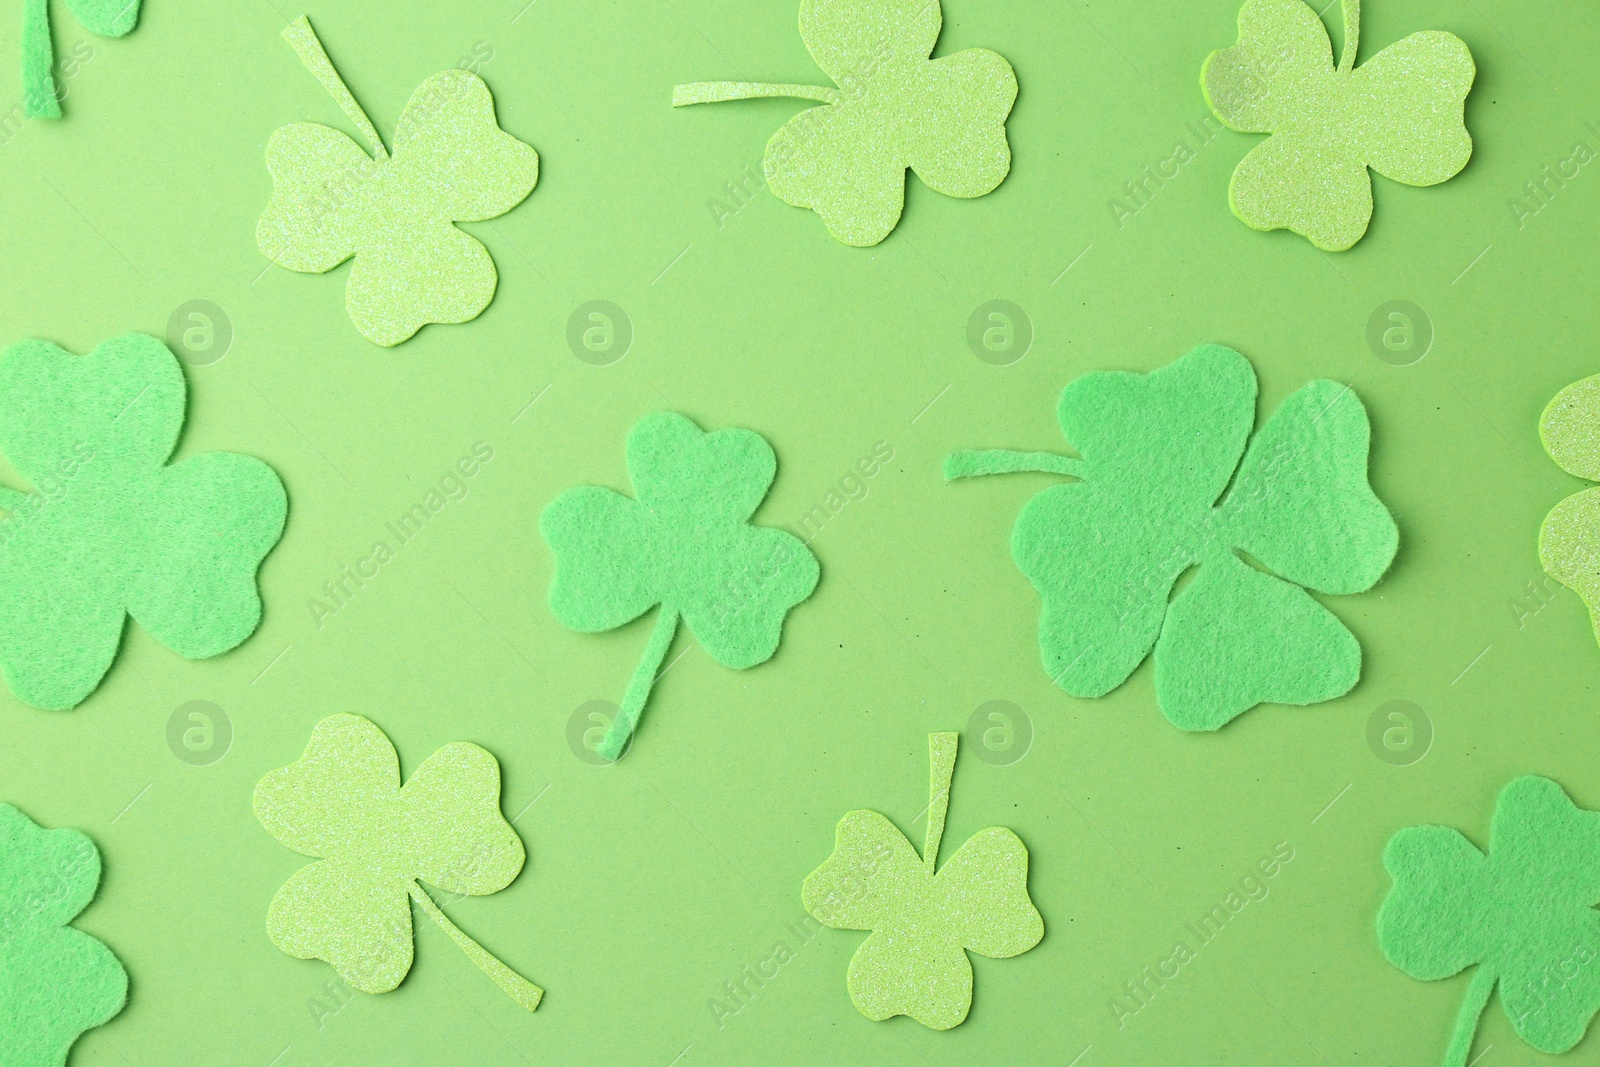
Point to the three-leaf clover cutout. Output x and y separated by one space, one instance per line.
377 841
894 109
1401 113
1169 479
924 917
41 98
110 528
1569 539
55 980
395 214
1523 914
686 545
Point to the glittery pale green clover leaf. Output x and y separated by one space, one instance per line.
330 201
1569 540
924 917
41 96
377 841
687 544
1523 915
1400 113
1170 478
894 109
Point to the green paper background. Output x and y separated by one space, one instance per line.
652 883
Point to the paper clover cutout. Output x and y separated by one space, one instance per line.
41 98
111 529
1524 915
894 109
377 841
1400 113
1162 489
685 544
451 163
924 918
55 980
1569 540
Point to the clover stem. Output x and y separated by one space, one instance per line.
974 463
644 676
38 62
717 92
941 765
1352 35
1471 1011
517 987
309 48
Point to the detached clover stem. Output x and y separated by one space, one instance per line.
974 463
303 39
38 62
1352 35
516 987
941 766
717 92
644 676
1471 1008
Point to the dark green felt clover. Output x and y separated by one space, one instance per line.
104 18
1167 483
687 544
1523 914
55 980
110 528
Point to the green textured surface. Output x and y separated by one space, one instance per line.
652 885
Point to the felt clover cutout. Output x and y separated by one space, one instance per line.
55 980
111 528
41 99
1400 114
1523 915
377 842
1569 540
686 544
894 109
1162 488
330 201
924 918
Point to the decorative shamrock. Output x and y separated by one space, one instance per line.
105 18
894 108
55 980
686 544
378 841
1524 915
1569 540
111 529
1158 451
1400 113
924 918
452 163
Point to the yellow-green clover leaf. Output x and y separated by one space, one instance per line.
1523 915
924 917
686 544
894 109
41 98
1166 483
1569 540
377 841
110 528
1400 113
330 201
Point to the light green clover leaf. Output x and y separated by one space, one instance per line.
1523 915
110 528
686 544
1569 539
924 918
1168 483
1400 113
41 97
330 201
894 109
377 841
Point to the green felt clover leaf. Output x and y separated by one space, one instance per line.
55 980
377 841
41 97
1524 915
1164 488
686 544
330 201
894 109
924 918
1569 540
1400 114
111 529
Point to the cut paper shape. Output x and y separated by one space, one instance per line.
924 918
894 109
1401 113
1523 915
111 529
1162 488
686 544
330 201
1569 539
55 980
41 98
376 842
